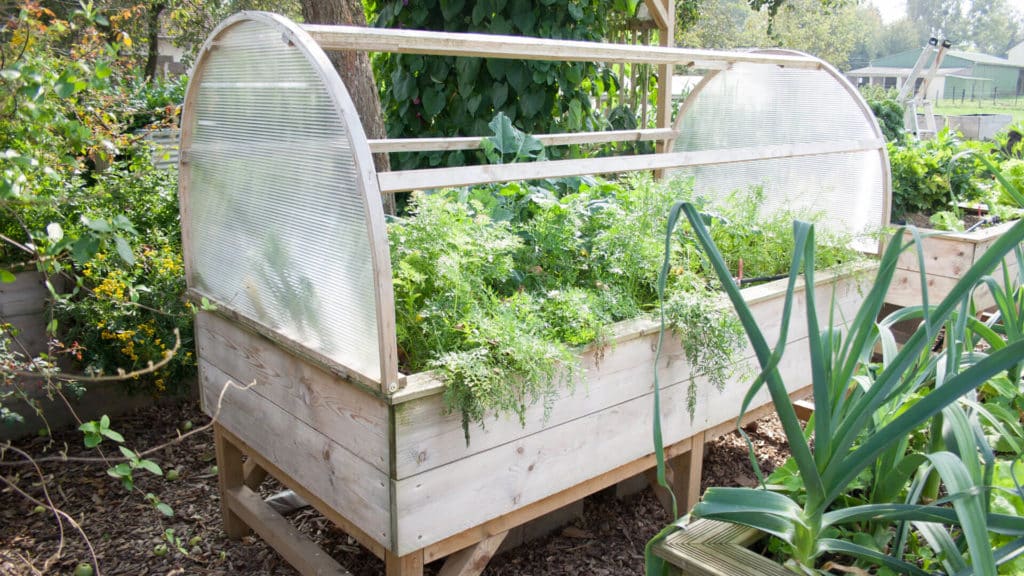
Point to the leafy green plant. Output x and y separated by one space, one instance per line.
496 286
947 220
507 144
846 444
96 431
934 175
886 108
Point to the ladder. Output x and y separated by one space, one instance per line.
916 101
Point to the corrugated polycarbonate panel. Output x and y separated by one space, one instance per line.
276 215
756 105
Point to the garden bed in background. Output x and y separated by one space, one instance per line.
947 256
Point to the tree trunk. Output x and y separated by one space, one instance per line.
355 71
153 31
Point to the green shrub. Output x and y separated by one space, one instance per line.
931 176
446 96
887 110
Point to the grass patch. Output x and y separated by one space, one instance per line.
1011 106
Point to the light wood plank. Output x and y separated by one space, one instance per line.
552 503
343 412
472 561
429 178
304 555
499 481
687 470
410 564
473 142
658 13
526 48
905 289
229 477
342 480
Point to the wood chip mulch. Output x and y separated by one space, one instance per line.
129 536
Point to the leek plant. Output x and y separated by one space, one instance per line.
864 418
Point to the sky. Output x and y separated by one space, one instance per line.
890 9
896 9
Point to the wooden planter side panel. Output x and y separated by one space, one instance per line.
23 305
606 424
324 432
946 258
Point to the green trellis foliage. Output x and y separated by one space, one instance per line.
445 96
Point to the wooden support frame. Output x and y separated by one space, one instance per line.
467 553
473 142
339 38
407 180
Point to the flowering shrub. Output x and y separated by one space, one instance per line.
130 317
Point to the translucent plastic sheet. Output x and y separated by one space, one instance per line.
278 227
750 105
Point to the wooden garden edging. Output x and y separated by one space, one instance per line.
284 234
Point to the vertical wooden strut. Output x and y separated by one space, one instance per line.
230 475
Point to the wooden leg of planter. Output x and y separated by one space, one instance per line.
230 476
688 471
408 565
472 561
804 409
683 476
253 474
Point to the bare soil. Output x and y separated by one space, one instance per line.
127 533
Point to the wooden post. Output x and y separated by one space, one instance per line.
665 19
230 476
408 565
253 474
472 561
683 475
687 471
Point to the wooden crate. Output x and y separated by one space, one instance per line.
947 256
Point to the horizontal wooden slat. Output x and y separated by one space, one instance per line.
526 48
340 410
406 180
301 552
473 142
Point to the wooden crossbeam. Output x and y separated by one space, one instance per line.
406 180
526 48
473 142
301 552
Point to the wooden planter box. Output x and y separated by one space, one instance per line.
713 548
283 229
398 470
947 255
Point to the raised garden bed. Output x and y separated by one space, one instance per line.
947 255
283 231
